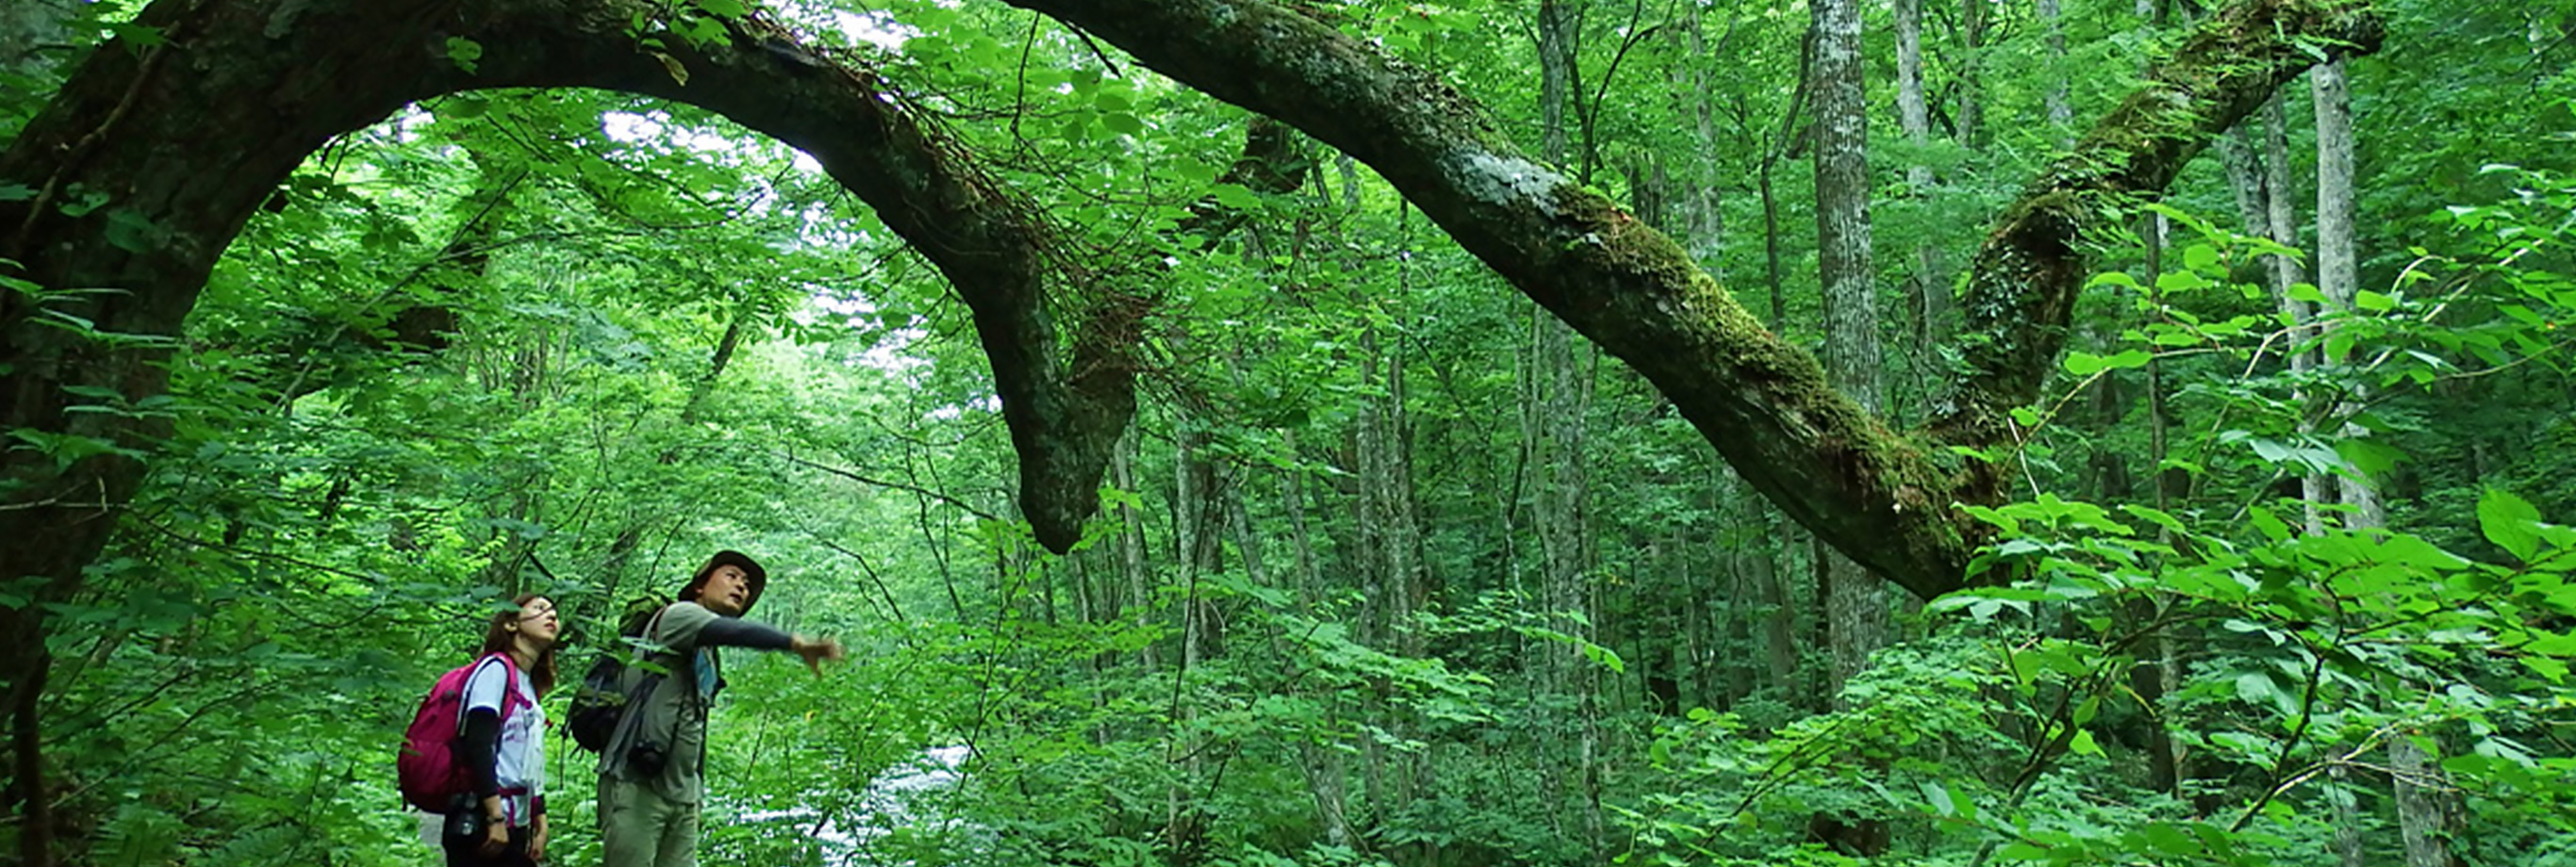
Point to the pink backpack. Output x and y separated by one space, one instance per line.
427 770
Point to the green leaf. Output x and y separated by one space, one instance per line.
1236 196
2508 521
465 53
722 8
2155 516
464 108
1123 123
2268 524
2371 457
132 232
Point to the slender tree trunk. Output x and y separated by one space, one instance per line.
1325 769
1703 219
1307 569
1780 616
1857 601
1771 248
2347 819
1197 525
1924 292
2242 159
27 757
1972 88
1559 431
1559 37
2422 817
2336 275
1131 545
2282 217
2061 117
2154 682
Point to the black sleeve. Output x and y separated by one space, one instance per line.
733 632
479 750
539 806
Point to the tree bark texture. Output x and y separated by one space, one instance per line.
1855 602
1972 86
1765 405
2422 818
31 31
2242 160
1926 295
2061 116
2281 216
1131 546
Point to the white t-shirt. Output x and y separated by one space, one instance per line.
521 751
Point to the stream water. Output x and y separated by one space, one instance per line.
895 799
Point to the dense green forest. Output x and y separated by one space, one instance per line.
1312 432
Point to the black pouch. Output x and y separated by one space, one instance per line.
645 759
465 820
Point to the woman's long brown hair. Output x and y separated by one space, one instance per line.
498 637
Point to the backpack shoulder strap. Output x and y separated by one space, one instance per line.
653 632
511 700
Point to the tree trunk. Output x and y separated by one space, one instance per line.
1198 523
1559 44
2155 681
1771 249
2419 779
1558 433
1972 87
1856 603
2283 220
1780 614
1324 766
2061 117
1703 219
2336 274
2243 162
1924 292
1131 546
2421 816
27 752
2347 819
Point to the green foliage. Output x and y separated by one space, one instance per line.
471 353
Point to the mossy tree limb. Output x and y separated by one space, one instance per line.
2025 278
1876 494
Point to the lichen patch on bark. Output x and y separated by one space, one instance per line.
1505 181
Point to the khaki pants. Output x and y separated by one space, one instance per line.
640 828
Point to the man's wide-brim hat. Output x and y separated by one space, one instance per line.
758 577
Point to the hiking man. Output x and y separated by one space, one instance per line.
650 776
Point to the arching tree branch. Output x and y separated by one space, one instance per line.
1881 496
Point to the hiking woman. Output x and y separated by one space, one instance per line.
503 820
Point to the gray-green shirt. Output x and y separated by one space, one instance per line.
673 711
